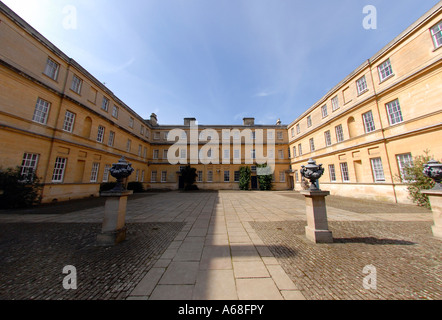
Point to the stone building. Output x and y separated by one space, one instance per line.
372 123
58 120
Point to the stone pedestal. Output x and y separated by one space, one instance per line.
435 197
114 223
317 223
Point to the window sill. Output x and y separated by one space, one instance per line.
387 78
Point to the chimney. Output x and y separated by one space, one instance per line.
249 122
153 119
278 123
188 121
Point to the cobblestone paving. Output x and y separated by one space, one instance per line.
33 255
406 256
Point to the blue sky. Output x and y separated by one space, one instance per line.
219 60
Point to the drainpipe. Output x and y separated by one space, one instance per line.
51 148
382 130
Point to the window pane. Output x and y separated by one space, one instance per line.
394 112
369 122
378 170
41 111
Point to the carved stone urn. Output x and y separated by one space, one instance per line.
120 171
312 172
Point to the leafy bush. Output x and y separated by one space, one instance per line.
417 181
244 178
189 177
135 186
19 191
265 181
107 186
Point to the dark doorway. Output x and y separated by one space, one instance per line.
181 182
254 180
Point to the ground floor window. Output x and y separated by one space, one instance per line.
226 176
94 171
29 166
344 172
237 176
210 176
378 170
164 176
59 169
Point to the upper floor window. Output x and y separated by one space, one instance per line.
368 122
76 84
105 104
339 133
41 111
436 33
131 122
69 120
115 112
335 103
324 111
361 84
298 129
309 121
52 69
293 132
100 134
394 112
280 135
312 145
327 136
385 70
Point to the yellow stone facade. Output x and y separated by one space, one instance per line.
57 119
386 112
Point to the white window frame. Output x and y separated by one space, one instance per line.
309 121
131 122
52 68
298 128
339 133
200 176
210 176
106 172
59 169
111 140
385 70
327 137
115 111
394 112
404 160
281 176
156 154
324 111
94 171
100 134
29 166
436 35
69 121
41 111
153 177
344 172
361 85
312 144
280 135
226 175
76 84
163 176
377 170
332 172
128 145
105 104
335 103
369 125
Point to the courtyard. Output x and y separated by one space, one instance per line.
224 245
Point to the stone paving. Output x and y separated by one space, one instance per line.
223 246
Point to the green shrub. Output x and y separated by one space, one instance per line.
107 186
416 180
135 186
19 191
244 178
265 181
189 177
